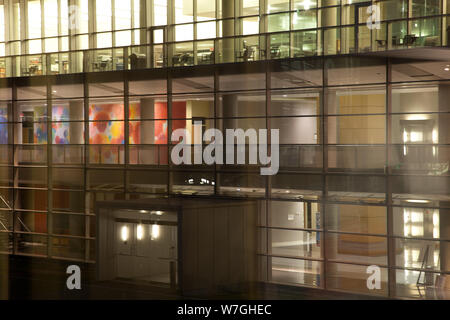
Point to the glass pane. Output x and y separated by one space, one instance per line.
295 215
357 248
296 271
356 219
296 243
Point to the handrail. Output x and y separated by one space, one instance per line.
152 56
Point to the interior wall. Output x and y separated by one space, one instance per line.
218 247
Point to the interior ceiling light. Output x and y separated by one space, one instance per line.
418 201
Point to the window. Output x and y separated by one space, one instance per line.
104 13
51 18
122 14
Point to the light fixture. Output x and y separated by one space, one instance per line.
143 211
124 234
417 201
140 232
447 68
155 232
417 117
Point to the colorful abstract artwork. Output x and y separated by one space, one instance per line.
161 125
160 135
60 130
105 128
40 128
135 111
135 126
3 126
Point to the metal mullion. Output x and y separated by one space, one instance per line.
324 141
194 24
85 165
216 106
169 131
127 133
268 113
268 192
390 215
49 170
15 169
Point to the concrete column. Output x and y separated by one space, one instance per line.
143 13
147 127
329 19
228 31
229 110
76 109
76 58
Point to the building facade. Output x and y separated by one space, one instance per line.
93 91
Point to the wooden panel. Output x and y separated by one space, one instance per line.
189 245
221 247
205 248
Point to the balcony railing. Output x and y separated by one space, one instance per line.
293 44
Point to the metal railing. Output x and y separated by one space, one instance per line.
301 43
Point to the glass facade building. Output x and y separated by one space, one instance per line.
93 90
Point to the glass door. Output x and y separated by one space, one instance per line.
158 38
146 246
